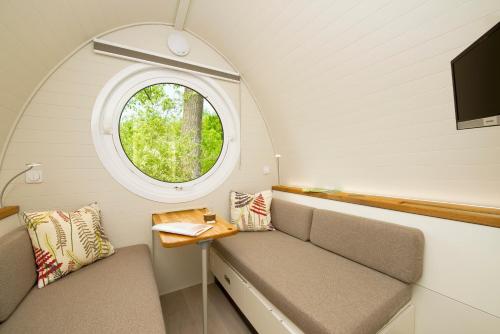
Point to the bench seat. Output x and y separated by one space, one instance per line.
115 295
320 291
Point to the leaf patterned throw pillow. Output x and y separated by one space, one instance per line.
64 242
251 212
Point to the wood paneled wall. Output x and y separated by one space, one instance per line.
358 94
35 36
55 131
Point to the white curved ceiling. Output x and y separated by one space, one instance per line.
343 84
358 93
36 35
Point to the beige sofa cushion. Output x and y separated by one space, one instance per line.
115 295
17 270
319 291
291 218
395 250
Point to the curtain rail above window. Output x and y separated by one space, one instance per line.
126 52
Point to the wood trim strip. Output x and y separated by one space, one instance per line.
459 212
8 211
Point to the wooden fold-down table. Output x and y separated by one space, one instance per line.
220 229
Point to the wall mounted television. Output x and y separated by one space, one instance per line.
476 82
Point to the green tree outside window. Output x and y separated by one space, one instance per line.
171 133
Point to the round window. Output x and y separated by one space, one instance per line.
171 133
166 135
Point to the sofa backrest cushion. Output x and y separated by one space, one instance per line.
291 218
395 250
17 270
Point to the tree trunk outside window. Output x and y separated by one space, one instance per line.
191 130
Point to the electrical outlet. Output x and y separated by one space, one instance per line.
266 170
34 176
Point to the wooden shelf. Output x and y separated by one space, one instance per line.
459 212
8 211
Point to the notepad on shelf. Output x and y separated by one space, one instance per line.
320 190
183 228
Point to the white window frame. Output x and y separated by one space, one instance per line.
105 133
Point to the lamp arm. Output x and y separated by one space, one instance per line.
278 156
8 182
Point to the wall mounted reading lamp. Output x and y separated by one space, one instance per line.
29 166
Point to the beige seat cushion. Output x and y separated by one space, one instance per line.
291 218
17 270
319 291
115 295
395 250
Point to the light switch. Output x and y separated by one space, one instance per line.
34 176
266 170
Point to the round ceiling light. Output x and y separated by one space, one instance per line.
178 44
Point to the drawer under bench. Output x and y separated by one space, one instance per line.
266 318
263 316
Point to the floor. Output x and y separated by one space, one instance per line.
182 311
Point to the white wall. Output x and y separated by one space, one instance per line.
358 94
36 36
459 291
55 130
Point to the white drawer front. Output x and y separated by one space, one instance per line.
260 314
229 279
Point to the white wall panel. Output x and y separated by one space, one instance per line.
435 313
358 94
375 75
55 130
37 35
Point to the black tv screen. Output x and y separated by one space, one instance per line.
476 82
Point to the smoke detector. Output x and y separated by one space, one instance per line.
178 44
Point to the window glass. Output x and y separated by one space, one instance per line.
171 133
